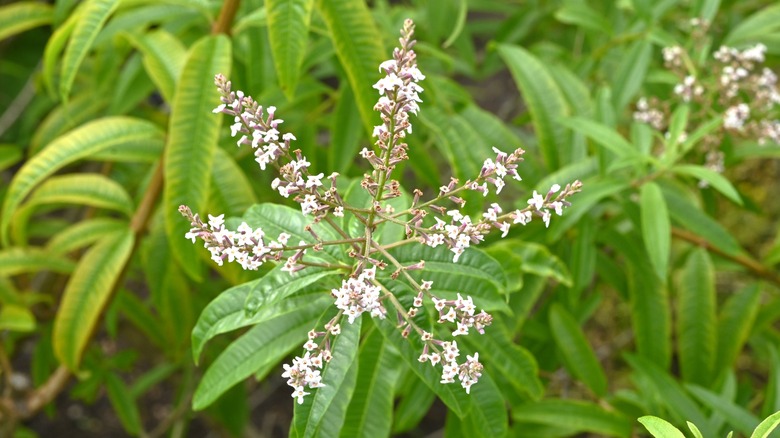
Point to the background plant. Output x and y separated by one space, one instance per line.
653 295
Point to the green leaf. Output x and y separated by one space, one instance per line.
650 314
123 404
488 412
193 132
263 345
512 361
54 47
656 227
693 218
87 293
163 58
410 348
416 401
275 219
737 416
91 189
288 29
231 190
666 388
91 19
83 142
9 155
18 260
660 428
476 274
577 352
767 426
577 416
580 14
544 99
755 28
346 129
253 302
630 74
80 109
16 318
359 49
696 327
82 234
716 180
601 134
532 258
16 18
370 412
309 416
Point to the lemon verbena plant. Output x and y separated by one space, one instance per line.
358 240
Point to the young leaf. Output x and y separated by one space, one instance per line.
264 344
91 19
660 428
311 414
87 293
370 412
16 18
577 353
656 228
767 426
288 29
83 142
193 132
358 47
17 260
545 101
696 329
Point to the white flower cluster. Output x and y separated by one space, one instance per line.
645 113
458 235
358 295
688 89
245 245
461 311
541 205
468 372
305 371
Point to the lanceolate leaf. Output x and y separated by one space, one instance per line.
716 180
631 73
82 234
90 189
737 417
370 411
359 48
545 101
767 426
163 58
755 28
265 344
488 410
83 142
696 329
18 260
54 47
231 190
735 323
577 353
123 403
650 314
251 303
91 19
86 295
288 29
309 415
18 17
578 416
656 228
192 138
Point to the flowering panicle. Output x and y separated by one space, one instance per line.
363 291
733 84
